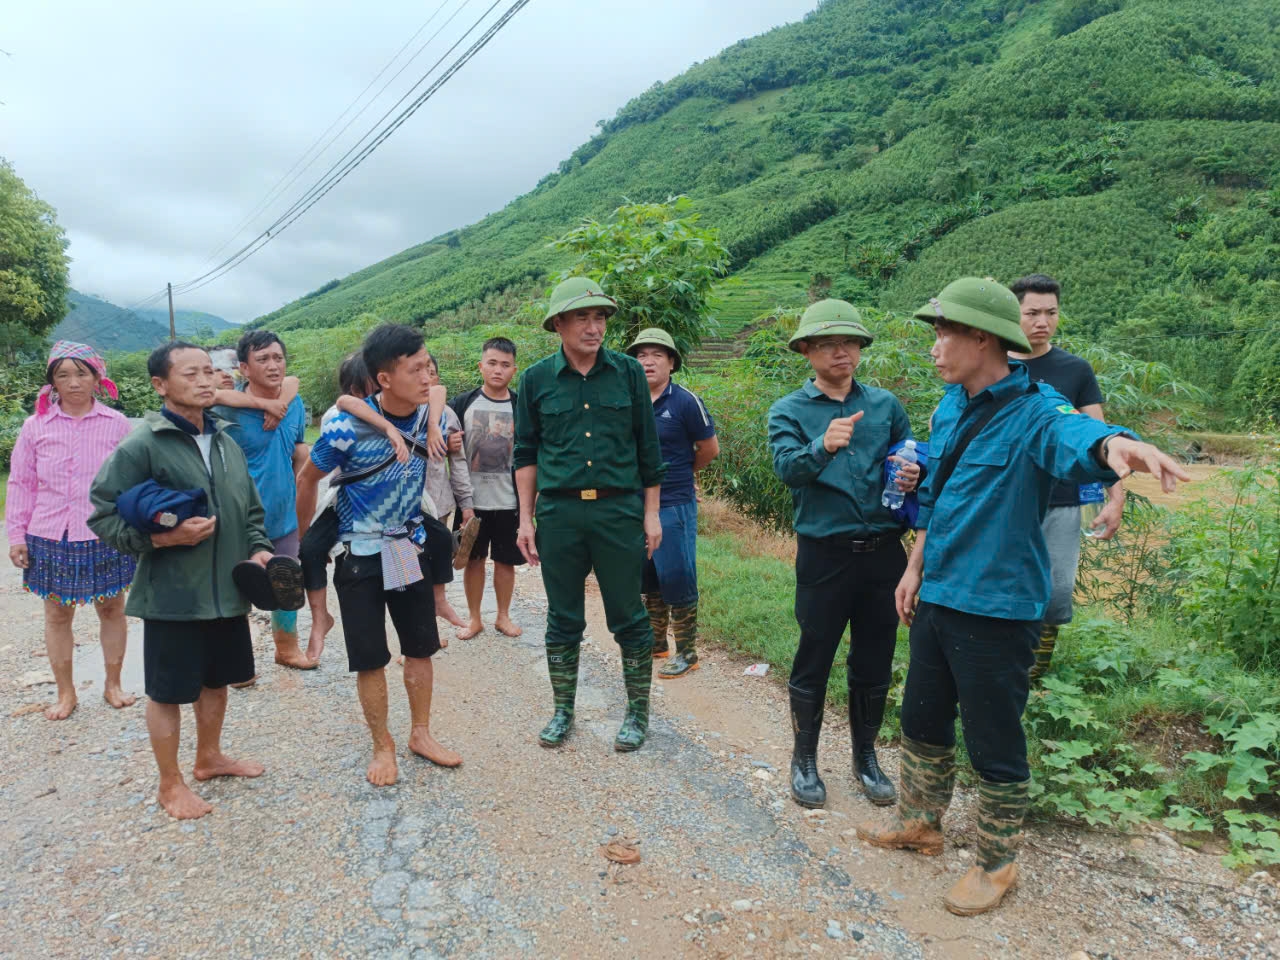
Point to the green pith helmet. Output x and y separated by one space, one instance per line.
829 318
577 293
656 336
981 304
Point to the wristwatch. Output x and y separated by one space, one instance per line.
1103 447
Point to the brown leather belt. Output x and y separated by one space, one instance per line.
591 493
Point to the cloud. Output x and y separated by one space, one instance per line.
155 128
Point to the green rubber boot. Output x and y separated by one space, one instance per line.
659 614
927 780
562 666
1044 650
637 672
1001 810
684 626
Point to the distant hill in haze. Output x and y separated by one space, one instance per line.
105 326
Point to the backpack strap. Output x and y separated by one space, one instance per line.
415 445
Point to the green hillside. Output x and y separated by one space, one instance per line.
105 326
1130 147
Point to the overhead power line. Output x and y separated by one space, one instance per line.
286 181
348 163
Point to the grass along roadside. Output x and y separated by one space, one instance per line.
1135 724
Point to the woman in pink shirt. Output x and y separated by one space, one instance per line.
57 455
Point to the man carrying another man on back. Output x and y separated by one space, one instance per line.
383 567
1072 377
487 414
274 454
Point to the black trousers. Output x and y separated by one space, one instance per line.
980 665
837 588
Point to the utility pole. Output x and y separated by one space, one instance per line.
173 334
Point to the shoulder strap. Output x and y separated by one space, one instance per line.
952 458
415 445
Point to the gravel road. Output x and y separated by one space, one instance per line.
502 857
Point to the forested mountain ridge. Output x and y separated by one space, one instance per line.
105 326
1130 147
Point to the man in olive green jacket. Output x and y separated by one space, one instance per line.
196 636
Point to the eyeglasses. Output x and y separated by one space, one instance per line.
831 346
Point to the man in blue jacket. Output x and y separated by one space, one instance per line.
980 571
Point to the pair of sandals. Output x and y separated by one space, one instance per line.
277 586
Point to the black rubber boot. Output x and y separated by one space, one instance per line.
866 712
807 788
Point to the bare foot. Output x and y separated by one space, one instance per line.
224 766
62 708
507 627
446 611
293 657
319 630
118 698
181 804
424 745
472 629
382 770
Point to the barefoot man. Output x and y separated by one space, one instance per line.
980 574
195 638
487 414
382 568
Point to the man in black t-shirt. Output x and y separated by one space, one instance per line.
1072 377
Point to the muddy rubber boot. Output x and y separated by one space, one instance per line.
659 613
1044 650
927 780
637 673
562 666
1001 809
807 788
684 627
866 712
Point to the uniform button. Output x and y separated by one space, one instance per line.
588 463
586 406
588 433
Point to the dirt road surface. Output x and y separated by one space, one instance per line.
501 857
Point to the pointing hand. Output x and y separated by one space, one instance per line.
840 432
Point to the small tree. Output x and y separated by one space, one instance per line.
33 264
658 263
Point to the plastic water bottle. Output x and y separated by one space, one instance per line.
1092 497
893 498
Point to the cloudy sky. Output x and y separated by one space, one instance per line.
155 128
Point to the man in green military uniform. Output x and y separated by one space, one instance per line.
586 445
829 441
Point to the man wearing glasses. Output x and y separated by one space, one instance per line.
829 441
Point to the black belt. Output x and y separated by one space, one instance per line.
591 493
863 545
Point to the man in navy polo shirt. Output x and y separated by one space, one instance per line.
688 438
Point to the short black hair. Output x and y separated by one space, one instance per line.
1036 283
161 360
53 368
501 344
387 343
353 376
258 340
